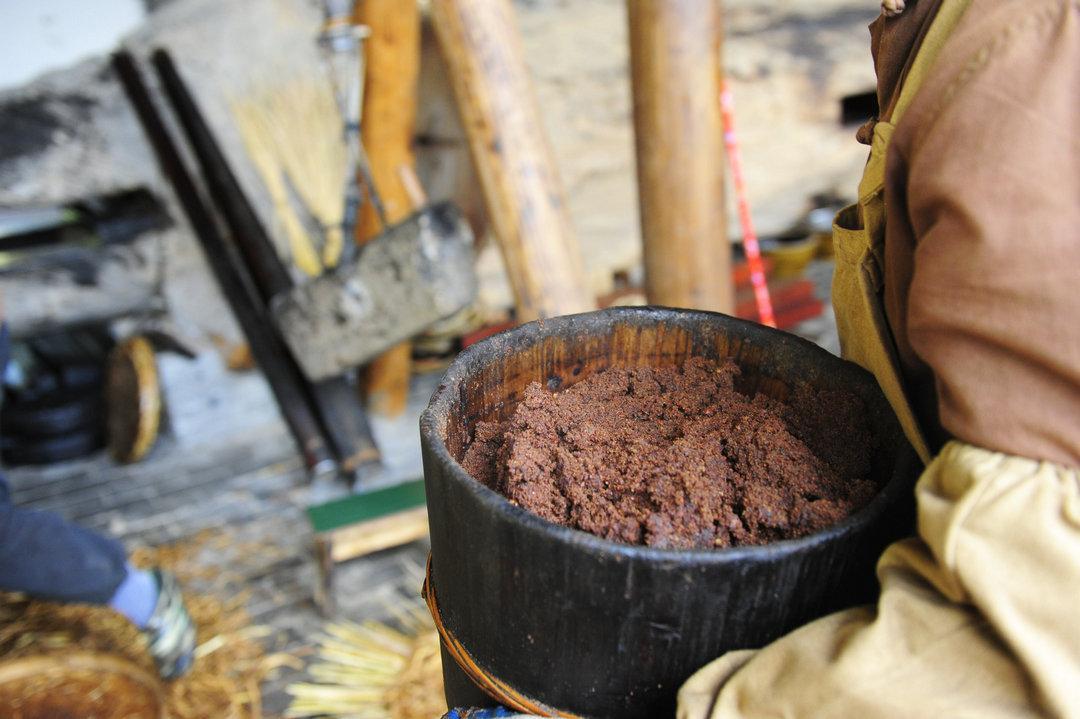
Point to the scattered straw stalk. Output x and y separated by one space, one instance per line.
373 671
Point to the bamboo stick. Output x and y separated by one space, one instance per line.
337 407
235 283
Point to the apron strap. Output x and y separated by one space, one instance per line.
859 235
946 20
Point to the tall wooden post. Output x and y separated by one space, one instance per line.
392 57
675 70
524 196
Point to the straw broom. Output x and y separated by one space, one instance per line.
292 130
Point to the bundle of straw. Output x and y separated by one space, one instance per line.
292 130
230 660
373 671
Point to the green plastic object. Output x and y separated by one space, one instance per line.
368 505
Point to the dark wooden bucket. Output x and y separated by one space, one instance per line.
599 629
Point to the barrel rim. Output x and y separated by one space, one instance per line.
435 416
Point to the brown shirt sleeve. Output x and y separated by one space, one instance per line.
983 238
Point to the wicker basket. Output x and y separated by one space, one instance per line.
79 685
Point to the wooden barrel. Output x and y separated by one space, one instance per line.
567 622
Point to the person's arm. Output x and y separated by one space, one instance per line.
44 556
976 614
991 154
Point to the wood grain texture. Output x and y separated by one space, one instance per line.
392 55
675 72
525 201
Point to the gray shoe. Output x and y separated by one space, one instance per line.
170 630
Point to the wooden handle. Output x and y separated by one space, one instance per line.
524 197
675 71
392 54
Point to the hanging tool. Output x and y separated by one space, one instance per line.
406 277
342 44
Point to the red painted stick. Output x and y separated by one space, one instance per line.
750 243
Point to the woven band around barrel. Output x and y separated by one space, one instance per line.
494 687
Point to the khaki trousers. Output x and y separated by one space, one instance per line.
978 617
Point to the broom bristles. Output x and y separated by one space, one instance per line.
293 133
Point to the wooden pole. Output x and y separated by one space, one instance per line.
675 72
392 59
521 186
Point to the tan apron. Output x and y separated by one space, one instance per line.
859 239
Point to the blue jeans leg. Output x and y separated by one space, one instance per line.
47 557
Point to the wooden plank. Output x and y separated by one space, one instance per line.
390 531
362 524
392 56
675 73
357 508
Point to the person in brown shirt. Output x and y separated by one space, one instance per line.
969 218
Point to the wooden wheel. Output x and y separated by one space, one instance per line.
133 398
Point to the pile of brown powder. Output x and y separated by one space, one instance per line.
679 458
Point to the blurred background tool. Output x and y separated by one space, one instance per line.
749 240
409 276
133 394
301 131
362 524
375 669
282 375
335 402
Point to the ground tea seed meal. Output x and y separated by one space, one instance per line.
677 457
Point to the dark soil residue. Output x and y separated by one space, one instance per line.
679 458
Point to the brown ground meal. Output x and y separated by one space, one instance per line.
677 457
